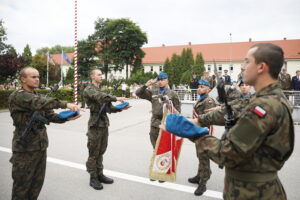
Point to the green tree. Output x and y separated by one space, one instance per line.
87 55
140 77
55 49
10 61
27 55
198 67
70 76
127 40
40 63
102 39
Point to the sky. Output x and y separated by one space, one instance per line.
46 23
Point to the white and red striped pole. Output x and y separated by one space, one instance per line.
75 58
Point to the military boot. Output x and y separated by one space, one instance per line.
95 183
200 189
105 179
195 179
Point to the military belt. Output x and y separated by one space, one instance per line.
251 176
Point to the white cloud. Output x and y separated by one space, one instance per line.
170 22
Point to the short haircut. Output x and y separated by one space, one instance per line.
93 72
270 54
23 71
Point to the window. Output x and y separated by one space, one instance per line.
231 68
220 67
151 68
160 68
208 68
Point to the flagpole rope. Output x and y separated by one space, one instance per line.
75 57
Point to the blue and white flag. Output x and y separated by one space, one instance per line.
66 57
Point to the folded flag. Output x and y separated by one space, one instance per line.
67 114
122 105
182 127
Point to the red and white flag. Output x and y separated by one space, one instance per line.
166 154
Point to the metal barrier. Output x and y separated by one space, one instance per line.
293 97
187 94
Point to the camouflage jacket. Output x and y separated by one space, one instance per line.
21 105
261 140
95 98
204 104
152 95
285 81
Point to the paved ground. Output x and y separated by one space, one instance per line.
126 160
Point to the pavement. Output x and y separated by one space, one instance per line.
126 160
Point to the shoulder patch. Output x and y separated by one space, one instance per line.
259 111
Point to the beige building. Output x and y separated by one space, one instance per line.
228 56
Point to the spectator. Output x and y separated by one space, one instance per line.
124 88
194 86
296 86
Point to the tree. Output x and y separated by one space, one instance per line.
119 44
10 62
9 65
198 67
70 76
27 55
40 63
55 49
127 40
87 55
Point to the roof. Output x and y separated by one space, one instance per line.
218 51
57 58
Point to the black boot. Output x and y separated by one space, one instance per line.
195 179
95 183
105 179
200 189
161 181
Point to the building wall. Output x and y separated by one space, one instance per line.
292 66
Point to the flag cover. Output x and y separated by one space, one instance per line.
166 154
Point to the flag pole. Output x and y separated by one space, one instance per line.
47 84
75 57
61 70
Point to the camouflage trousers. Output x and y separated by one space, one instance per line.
28 173
236 189
204 171
154 131
97 145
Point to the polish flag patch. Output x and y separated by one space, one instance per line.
259 111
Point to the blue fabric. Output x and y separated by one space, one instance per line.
204 82
67 114
162 90
182 127
245 95
202 97
162 75
122 105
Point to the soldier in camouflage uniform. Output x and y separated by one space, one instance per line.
233 93
98 130
154 95
204 102
258 145
29 158
285 80
81 89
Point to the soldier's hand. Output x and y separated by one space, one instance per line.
73 107
196 122
163 127
73 118
151 82
121 99
234 86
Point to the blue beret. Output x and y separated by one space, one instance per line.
67 114
204 82
162 75
122 105
182 127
